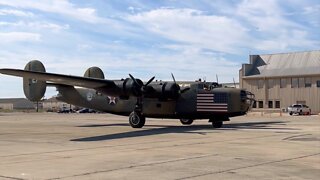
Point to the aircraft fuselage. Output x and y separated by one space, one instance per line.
197 103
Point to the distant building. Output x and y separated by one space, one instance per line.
16 104
52 104
279 80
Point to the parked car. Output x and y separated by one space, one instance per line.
299 109
64 111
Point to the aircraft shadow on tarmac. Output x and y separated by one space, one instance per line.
158 130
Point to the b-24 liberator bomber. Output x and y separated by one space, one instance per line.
187 101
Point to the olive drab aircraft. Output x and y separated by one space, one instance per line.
187 101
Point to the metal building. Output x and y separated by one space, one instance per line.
16 104
280 80
54 105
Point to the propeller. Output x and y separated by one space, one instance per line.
142 87
150 80
135 81
180 91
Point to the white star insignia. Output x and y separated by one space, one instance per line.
112 100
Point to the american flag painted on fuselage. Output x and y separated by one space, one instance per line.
212 102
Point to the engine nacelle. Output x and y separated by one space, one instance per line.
167 90
33 89
129 87
94 72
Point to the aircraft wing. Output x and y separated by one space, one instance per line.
86 82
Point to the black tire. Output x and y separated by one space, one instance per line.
217 124
186 121
290 113
136 120
300 113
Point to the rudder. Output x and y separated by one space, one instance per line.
34 89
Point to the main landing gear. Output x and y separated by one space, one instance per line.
136 120
186 121
218 122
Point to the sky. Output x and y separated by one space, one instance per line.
190 38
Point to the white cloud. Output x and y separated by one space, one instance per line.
193 27
314 10
19 36
274 31
15 13
150 40
36 25
266 16
295 38
313 14
81 47
63 7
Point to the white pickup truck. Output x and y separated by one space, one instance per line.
300 109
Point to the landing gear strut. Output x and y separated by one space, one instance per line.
136 119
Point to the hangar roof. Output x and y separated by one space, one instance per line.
18 103
285 64
13 100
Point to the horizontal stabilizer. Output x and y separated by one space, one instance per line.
87 82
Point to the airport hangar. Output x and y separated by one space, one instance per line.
280 80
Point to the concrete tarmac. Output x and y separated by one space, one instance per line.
103 146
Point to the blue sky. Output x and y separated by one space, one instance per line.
191 38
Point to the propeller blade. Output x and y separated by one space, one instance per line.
150 80
174 79
134 80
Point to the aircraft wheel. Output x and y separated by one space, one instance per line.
217 124
136 120
186 121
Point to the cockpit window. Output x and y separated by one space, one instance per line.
208 85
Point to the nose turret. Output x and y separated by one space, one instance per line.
247 100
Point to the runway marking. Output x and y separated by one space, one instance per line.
250 166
